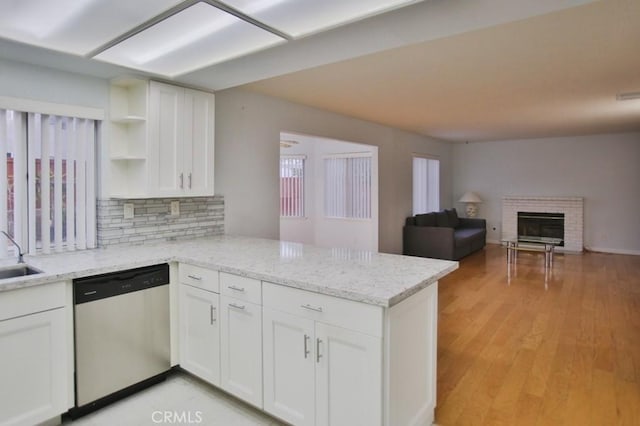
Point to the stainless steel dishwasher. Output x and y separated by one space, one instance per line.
121 334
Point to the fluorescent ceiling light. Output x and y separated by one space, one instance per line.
303 17
198 36
75 26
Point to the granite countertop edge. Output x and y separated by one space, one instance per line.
363 295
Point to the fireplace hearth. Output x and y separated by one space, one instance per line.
535 225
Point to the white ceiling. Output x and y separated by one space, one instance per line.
453 69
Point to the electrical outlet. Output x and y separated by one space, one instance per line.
128 210
175 208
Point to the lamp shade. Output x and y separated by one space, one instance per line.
470 197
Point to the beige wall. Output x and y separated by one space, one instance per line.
248 127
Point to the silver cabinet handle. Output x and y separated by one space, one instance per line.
181 180
311 308
189 180
212 313
306 347
194 277
233 305
318 354
233 287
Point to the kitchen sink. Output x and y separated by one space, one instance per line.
20 270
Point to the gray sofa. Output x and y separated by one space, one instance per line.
443 235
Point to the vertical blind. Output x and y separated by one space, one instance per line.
292 186
347 187
47 183
426 185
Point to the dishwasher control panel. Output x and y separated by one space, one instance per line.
121 282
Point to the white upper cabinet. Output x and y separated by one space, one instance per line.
161 140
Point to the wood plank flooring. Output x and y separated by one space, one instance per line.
517 352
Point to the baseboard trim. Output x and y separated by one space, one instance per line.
613 250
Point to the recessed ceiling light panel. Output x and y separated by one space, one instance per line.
75 26
198 36
303 17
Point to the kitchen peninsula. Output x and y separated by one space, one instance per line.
337 335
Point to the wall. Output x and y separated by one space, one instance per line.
248 127
152 221
601 168
315 228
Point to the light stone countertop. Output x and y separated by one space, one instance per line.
372 278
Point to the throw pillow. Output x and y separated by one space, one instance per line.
442 219
427 219
454 222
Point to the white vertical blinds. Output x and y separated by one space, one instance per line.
292 186
347 187
47 184
426 185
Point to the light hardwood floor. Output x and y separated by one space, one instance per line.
521 354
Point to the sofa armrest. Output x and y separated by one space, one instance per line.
466 222
428 241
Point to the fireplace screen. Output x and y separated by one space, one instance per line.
533 226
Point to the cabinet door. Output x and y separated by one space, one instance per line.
198 142
33 373
166 149
241 343
348 377
289 367
200 333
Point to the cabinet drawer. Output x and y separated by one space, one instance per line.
242 288
328 309
28 300
206 279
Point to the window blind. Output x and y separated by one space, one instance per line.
347 187
47 184
292 186
426 185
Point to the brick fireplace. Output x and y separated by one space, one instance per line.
571 207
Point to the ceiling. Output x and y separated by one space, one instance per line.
551 75
459 70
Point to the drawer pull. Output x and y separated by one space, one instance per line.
306 347
318 354
233 287
233 305
195 277
213 314
311 308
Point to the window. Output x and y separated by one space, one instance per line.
47 183
426 185
347 187
292 186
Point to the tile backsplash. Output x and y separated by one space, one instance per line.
152 221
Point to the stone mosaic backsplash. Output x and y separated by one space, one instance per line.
152 221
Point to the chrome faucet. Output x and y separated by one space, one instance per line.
20 254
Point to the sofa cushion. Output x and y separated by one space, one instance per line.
410 221
466 236
454 222
442 219
427 219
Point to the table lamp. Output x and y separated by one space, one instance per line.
472 200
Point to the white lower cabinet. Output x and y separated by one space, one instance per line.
200 333
33 360
241 349
316 373
348 377
311 359
289 367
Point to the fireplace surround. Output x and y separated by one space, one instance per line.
571 207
